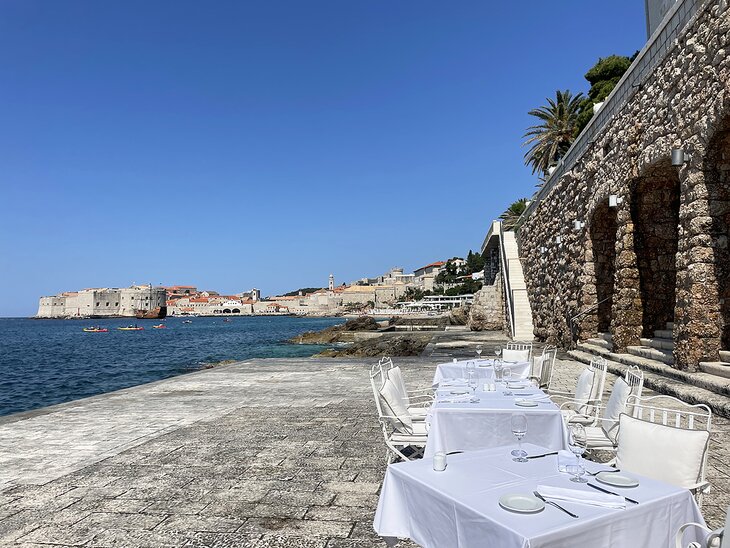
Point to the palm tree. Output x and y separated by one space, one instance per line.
513 212
551 139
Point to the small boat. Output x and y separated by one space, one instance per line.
187 321
95 329
131 328
226 320
159 326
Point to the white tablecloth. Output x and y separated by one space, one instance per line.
469 426
484 370
458 508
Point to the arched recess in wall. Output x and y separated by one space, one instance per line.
603 227
717 179
655 214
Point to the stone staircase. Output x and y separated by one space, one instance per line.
654 358
523 312
721 368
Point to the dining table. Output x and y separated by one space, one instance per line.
472 504
483 370
465 419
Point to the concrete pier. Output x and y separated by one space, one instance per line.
264 453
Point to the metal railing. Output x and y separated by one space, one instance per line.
505 282
653 52
588 310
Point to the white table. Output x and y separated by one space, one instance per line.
458 508
469 426
484 370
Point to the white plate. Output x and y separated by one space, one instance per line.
617 479
526 403
458 392
524 504
517 385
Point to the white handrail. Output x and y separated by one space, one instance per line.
505 281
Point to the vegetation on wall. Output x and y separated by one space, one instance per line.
551 138
512 213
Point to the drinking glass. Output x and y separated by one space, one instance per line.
479 351
576 470
577 445
519 429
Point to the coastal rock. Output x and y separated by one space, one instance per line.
411 344
486 312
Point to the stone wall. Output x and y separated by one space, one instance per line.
670 254
487 310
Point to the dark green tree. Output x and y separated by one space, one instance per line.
603 77
513 212
551 139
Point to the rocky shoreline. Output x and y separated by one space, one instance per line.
365 337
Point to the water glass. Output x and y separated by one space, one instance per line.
576 470
577 446
519 429
479 351
498 371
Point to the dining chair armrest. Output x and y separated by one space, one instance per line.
560 394
701 487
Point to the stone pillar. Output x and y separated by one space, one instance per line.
697 315
626 323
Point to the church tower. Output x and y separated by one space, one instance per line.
332 282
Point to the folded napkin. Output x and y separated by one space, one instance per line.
452 382
489 387
594 498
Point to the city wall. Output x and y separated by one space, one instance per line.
661 256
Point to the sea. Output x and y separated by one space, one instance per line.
45 362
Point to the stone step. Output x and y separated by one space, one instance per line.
689 387
670 326
725 355
663 334
664 356
719 369
661 344
600 342
606 337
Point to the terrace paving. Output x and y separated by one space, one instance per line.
263 453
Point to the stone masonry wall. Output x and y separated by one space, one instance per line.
487 311
684 104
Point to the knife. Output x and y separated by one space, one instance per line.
543 455
612 493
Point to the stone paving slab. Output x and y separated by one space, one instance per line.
265 453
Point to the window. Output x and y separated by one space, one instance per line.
97 304
107 303
116 304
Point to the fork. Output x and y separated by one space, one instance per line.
601 471
551 503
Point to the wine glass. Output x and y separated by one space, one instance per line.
498 352
577 446
479 351
577 471
471 375
519 429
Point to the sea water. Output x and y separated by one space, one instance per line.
44 362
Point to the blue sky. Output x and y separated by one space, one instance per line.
235 144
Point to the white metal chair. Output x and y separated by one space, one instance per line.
516 348
666 439
541 371
712 539
602 431
400 431
578 406
417 402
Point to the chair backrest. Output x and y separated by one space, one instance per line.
549 354
583 390
376 382
386 362
599 366
634 377
662 450
517 345
670 411
396 375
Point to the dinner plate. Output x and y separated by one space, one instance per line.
526 403
517 385
459 392
617 479
524 504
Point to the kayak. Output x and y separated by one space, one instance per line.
160 326
95 330
130 328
